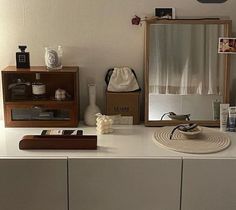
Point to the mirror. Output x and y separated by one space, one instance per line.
184 74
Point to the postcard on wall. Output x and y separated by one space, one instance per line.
165 13
227 45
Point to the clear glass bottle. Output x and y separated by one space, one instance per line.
38 88
60 54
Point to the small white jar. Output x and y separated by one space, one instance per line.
60 94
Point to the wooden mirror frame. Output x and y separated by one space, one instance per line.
212 1
227 33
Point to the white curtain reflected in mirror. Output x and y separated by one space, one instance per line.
186 73
184 60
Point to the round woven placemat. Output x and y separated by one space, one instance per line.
209 141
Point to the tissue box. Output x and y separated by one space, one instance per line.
124 103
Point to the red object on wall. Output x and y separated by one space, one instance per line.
136 20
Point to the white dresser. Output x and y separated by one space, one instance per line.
127 172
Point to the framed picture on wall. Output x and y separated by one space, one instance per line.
165 12
227 45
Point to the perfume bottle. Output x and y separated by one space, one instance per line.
38 88
22 58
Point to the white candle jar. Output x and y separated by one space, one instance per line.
53 57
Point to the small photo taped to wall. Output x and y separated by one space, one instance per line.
165 12
227 45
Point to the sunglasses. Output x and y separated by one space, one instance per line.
174 116
184 128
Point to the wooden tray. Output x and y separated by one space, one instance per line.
58 142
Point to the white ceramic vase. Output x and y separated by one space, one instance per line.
92 109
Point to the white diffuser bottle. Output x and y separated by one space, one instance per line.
92 109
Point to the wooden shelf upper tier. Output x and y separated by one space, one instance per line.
39 69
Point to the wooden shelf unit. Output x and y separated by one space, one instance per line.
47 112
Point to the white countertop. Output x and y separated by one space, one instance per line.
135 141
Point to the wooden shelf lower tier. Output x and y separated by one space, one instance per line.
41 114
36 102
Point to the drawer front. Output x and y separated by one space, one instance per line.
124 184
41 115
33 184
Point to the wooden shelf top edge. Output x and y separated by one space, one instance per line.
187 21
34 102
160 123
40 69
130 92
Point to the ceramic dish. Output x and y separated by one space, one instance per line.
193 133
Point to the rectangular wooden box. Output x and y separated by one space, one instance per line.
124 103
58 142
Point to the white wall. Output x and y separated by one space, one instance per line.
95 34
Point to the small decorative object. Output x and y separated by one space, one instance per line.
22 58
62 132
216 109
212 1
232 118
165 13
136 20
92 109
19 89
227 45
192 133
174 116
104 124
224 115
53 58
60 94
189 130
38 87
